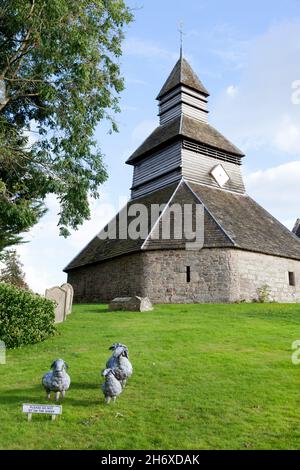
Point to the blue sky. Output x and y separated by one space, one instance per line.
248 55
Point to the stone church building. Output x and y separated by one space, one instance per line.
186 161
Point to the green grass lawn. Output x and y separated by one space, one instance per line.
205 377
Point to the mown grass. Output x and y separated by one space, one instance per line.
205 377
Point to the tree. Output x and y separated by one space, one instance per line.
12 273
59 77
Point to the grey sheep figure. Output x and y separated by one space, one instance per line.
111 387
113 360
119 362
57 380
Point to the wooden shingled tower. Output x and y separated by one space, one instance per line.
187 161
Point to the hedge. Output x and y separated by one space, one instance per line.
25 318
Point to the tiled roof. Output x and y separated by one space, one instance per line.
248 225
187 127
182 74
101 250
230 221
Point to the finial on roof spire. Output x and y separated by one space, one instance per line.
180 29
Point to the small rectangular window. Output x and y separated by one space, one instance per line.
188 274
292 280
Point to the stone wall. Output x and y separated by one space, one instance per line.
104 281
217 275
212 278
253 270
159 275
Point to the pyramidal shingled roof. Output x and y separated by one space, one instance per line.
182 74
188 127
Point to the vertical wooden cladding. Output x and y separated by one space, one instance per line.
196 168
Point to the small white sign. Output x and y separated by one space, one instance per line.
42 409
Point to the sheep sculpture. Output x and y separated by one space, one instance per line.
111 387
57 380
112 361
119 362
118 370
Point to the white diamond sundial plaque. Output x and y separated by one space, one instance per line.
220 175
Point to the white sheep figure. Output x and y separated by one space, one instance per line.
119 362
57 380
111 388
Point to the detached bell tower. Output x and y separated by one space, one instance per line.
186 161
184 145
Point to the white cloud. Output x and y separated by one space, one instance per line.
147 49
262 114
277 189
232 90
142 131
46 254
225 43
101 213
288 135
296 92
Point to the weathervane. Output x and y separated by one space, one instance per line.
180 29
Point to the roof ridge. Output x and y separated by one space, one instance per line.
214 130
289 232
181 67
210 213
180 124
182 73
161 215
189 128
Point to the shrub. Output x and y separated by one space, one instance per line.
264 294
25 318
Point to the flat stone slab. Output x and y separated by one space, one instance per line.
131 304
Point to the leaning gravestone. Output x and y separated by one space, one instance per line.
131 304
69 300
58 295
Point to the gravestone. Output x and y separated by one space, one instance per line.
70 294
2 353
58 295
131 304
